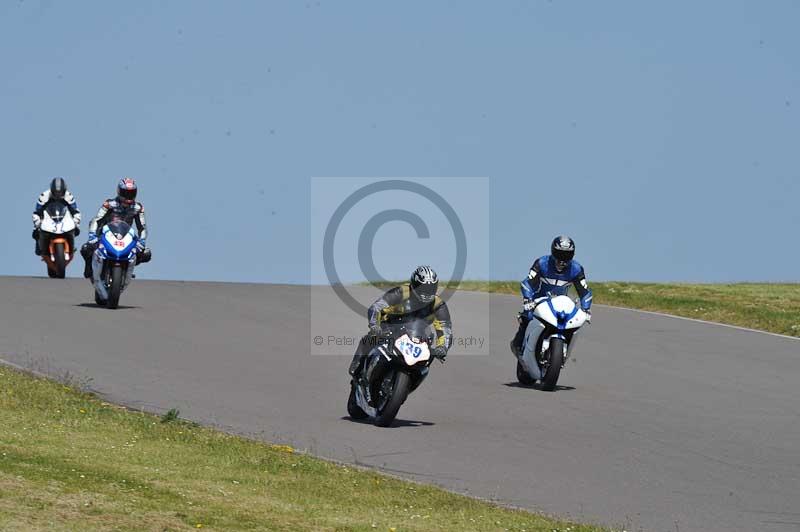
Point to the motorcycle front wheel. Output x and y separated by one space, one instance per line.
115 289
397 396
60 261
556 354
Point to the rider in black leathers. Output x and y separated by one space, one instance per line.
417 299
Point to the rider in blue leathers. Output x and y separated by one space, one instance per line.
551 274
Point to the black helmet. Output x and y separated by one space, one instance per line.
424 283
126 190
562 249
58 187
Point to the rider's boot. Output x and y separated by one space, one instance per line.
87 251
87 268
36 248
516 343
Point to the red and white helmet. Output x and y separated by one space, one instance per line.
126 191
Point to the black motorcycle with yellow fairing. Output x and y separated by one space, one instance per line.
394 367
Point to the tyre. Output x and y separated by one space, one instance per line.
116 287
556 354
398 396
522 375
60 261
353 409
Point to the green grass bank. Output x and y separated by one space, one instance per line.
69 461
766 307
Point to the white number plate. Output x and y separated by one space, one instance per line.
412 352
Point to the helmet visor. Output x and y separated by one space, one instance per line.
425 292
57 188
562 258
127 194
563 255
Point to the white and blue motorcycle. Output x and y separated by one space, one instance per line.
113 263
549 339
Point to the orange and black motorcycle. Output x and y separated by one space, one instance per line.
59 227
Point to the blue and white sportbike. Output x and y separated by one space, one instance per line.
113 263
549 339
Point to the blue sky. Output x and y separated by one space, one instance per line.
662 137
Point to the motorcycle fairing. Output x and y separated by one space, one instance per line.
57 222
558 317
560 312
528 359
412 352
57 219
117 245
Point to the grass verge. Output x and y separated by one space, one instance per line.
69 461
767 307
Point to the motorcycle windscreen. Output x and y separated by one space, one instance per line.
420 331
118 228
57 218
57 210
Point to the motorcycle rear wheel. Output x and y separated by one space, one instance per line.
399 393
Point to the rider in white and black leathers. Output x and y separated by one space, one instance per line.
551 274
57 192
124 207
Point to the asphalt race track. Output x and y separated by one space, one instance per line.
662 424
